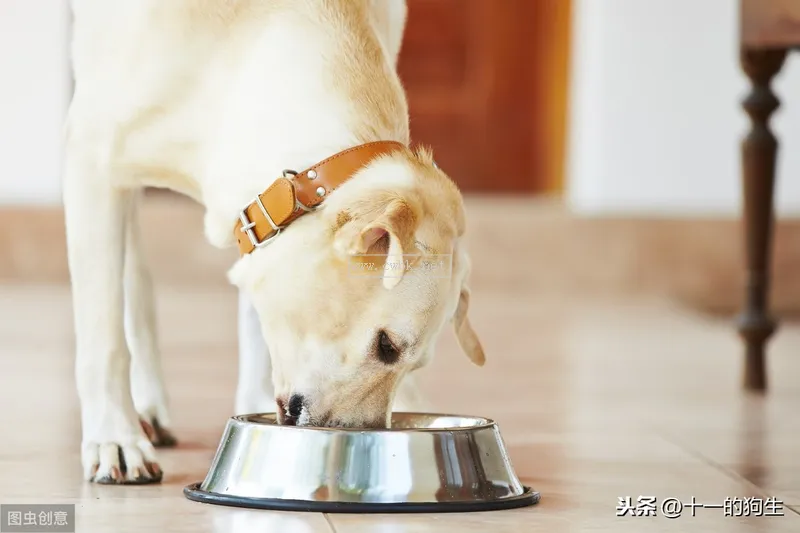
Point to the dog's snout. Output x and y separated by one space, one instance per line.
296 403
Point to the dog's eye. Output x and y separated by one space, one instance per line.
387 352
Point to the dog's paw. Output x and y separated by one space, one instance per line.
159 436
111 463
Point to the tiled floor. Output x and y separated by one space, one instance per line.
597 400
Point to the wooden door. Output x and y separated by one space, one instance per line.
486 83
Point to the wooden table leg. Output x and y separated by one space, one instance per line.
759 150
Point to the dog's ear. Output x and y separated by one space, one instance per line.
467 338
387 232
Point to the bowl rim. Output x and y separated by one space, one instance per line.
485 423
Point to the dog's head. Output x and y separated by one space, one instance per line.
353 297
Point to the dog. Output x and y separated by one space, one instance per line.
241 105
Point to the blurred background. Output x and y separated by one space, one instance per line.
597 143
591 111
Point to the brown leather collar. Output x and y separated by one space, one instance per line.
295 194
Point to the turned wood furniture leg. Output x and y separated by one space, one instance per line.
759 150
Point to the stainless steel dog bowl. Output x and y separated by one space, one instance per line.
423 463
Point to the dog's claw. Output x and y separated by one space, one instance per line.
159 436
138 475
148 430
154 470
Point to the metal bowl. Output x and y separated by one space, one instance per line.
422 463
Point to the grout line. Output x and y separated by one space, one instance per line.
723 469
329 521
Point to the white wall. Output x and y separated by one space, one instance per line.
34 93
656 118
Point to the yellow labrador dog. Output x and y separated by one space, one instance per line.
287 121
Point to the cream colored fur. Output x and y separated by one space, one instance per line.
213 99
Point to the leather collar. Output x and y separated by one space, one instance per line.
295 194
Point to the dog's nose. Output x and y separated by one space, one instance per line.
289 411
296 402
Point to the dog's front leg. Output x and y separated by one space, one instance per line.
147 379
254 393
114 449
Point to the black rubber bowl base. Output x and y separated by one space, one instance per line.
193 492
